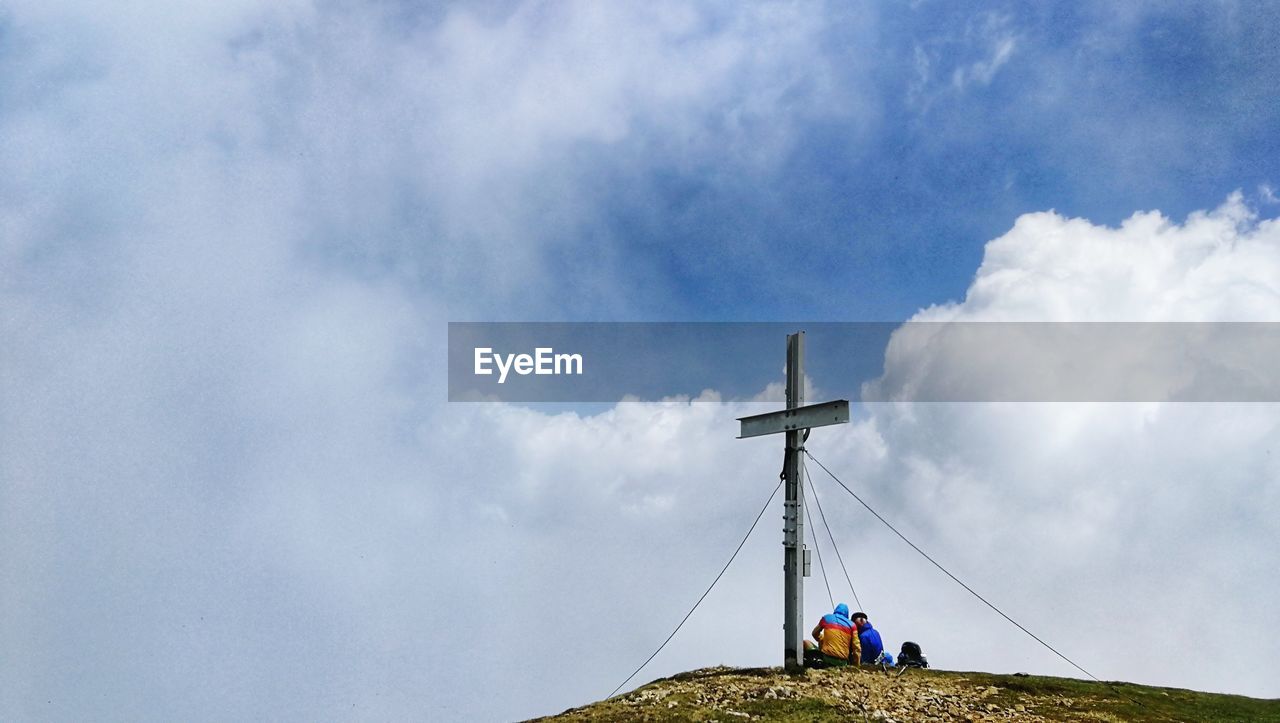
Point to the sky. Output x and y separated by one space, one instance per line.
232 236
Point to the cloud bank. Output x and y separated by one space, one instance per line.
229 241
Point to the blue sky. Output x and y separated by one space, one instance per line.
231 238
936 140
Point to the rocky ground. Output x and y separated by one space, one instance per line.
731 694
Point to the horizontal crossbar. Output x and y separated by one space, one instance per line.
787 420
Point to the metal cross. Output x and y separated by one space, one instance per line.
795 421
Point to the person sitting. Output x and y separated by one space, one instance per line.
872 647
838 643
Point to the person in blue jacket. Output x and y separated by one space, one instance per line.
872 646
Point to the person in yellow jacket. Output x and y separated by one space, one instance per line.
838 643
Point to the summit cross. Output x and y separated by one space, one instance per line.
795 421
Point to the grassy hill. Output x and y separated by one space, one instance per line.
733 694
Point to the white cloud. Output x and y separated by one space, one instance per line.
491 133
1268 194
229 238
983 71
1219 265
974 55
1107 527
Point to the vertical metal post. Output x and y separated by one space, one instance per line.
793 515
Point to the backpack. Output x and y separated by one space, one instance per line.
911 656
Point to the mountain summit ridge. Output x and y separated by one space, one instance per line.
899 696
